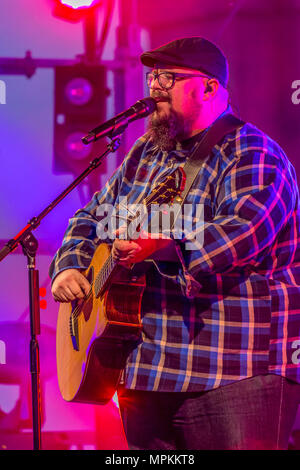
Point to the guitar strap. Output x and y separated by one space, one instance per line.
215 133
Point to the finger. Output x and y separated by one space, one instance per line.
119 231
124 253
61 300
69 294
114 252
128 261
118 252
115 256
127 255
124 260
123 244
76 290
61 296
84 285
126 264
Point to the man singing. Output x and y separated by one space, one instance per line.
217 364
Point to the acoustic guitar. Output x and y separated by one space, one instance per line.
96 334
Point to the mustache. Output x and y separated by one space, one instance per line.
159 96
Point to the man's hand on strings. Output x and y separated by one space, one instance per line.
128 252
69 285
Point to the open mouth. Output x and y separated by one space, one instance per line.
161 99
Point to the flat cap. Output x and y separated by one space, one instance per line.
195 53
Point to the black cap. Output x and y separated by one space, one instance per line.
195 53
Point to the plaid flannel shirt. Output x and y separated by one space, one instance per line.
243 317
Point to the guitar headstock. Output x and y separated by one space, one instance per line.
169 190
166 192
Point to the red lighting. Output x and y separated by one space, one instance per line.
43 292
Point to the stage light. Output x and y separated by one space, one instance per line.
74 10
79 91
79 3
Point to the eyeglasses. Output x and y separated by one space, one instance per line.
167 79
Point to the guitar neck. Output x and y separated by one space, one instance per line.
105 274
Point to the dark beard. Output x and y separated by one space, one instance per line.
164 131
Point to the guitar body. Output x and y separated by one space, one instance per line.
94 336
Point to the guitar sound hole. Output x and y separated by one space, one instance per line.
83 306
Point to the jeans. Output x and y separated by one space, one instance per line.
254 413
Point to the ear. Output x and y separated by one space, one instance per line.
211 88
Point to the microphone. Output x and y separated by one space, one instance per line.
119 123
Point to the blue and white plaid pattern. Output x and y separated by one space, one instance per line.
243 318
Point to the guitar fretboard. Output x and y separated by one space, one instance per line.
104 274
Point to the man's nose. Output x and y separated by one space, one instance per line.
155 83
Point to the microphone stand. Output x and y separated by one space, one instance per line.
30 246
